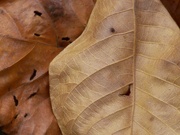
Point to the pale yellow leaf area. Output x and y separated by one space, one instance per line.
122 75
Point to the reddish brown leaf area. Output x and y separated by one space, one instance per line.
173 6
32 33
47 21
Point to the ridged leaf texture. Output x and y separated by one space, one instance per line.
122 75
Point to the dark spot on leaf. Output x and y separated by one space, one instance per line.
15 117
33 74
15 100
128 92
112 30
1 11
25 115
37 13
36 34
66 38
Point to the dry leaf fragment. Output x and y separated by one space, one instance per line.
31 34
121 76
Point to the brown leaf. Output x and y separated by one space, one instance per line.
122 75
32 33
46 21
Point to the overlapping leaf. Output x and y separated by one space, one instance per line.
32 33
122 75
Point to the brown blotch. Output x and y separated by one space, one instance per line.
1 11
56 11
151 119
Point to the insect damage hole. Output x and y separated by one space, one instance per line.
127 92
37 35
37 13
25 115
33 94
65 38
33 74
15 117
15 100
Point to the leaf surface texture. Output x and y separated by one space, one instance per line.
121 76
32 33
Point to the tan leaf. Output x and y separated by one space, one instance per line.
32 33
122 75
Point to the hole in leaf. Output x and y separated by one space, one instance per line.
36 34
112 30
15 100
33 74
128 92
15 117
66 38
25 115
32 95
37 13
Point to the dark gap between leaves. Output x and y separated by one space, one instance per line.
37 13
2 133
15 100
35 34
33 74
66 38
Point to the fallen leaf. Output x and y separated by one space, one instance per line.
121 76
32 33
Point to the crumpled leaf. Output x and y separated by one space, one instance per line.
121 76
31 34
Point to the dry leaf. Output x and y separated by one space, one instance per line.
30 34
121 76
55 22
